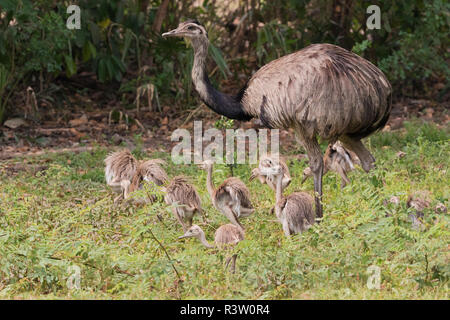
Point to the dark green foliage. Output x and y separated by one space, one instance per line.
32 41
117 39
419 52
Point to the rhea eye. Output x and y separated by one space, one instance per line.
191 28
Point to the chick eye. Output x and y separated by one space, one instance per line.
191 28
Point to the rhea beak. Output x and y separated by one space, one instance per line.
183 236
172 33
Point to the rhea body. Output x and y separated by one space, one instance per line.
337 159
322 90
226 237
269 160
231 198
295 211
124 174
120 168
418 200
184 200
150 172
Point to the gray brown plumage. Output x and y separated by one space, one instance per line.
226 237
418 200
125 174
152 171
337 159
322 90
149 171
269 161
120 167
184 200
231 198
295 211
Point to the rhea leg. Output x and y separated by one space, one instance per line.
179 218
125 185
344 178
344 181
233 263
355 145
228 212
316 164
227 262
118 187
245 212
286 230
231 259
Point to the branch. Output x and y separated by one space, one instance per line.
167 255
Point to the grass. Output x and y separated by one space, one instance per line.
57 212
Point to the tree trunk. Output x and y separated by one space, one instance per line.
341 19
157 24
144 5
160 15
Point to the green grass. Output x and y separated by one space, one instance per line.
58 212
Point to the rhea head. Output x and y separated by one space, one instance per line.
193 232
272 170
206 164
191 29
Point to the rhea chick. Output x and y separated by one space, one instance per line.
267 161
120 168
184 200
232 197
337 159
295 211
151 172
226 237
420 201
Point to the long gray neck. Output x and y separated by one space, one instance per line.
209 183
278 193
220 103
204 242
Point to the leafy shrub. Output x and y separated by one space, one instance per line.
420 53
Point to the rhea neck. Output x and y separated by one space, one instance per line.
223 104
209 182
203 240
278 193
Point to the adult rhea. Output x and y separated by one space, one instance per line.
322 90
